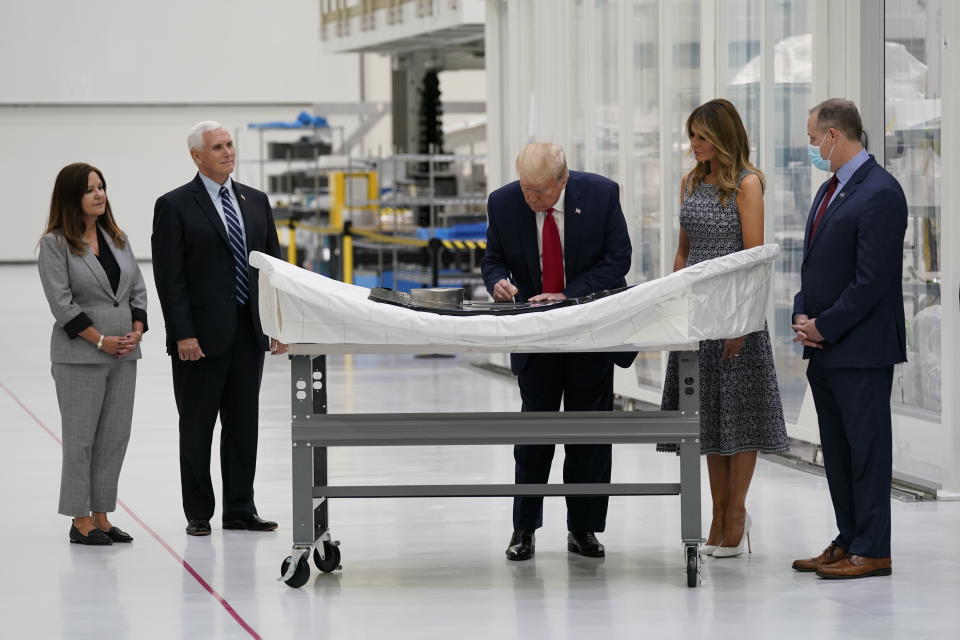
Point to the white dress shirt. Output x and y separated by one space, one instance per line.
214 190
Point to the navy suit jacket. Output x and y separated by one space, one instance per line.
194 268
852 272
596 245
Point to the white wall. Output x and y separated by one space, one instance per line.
118 84
175 51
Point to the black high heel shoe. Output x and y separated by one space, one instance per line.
95 537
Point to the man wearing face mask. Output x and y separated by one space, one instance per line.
849 317
557 234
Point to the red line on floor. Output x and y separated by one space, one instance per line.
186 565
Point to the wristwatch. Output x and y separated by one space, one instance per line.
100 342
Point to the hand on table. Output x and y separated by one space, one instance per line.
732 348
547 297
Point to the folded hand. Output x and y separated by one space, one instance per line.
806 331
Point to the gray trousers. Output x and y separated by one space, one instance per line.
96 409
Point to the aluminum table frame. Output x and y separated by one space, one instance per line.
313 430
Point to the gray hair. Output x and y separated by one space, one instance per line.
195 138
839 114
540 161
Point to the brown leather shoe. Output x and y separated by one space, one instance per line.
855 567
831 554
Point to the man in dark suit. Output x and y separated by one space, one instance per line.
203 233
849 317
551 235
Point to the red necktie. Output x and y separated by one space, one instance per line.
552 270
823 207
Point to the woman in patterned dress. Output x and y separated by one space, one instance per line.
721 212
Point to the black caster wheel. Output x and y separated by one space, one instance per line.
331 561
693 569
300 576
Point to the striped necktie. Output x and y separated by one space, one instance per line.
235 235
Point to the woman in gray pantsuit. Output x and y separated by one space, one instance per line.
96 293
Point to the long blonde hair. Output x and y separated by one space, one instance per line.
719 123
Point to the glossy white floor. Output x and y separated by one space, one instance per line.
415 568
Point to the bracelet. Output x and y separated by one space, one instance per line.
100 342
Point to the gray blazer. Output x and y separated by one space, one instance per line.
78 284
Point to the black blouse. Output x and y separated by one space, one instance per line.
109 263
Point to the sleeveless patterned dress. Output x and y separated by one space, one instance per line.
740 408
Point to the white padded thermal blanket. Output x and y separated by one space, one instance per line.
720 298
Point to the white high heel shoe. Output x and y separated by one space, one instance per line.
733 552
708 549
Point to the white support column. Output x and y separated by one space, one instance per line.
870 69
668 190
517 67
496 75
848 62
591 80
573 67
825 77
722 65
822 72
709 51
552 75
766 147
950 259
845 37
626 100
566 79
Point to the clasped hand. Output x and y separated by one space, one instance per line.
806 331
120 346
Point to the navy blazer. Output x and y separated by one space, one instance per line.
596 246
193 264
851 276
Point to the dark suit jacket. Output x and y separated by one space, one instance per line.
851 272
596 246
193 264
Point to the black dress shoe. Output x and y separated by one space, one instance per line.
119 535
198 528
522 545
250 523
95 537
586 544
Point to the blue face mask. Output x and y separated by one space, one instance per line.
816 159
